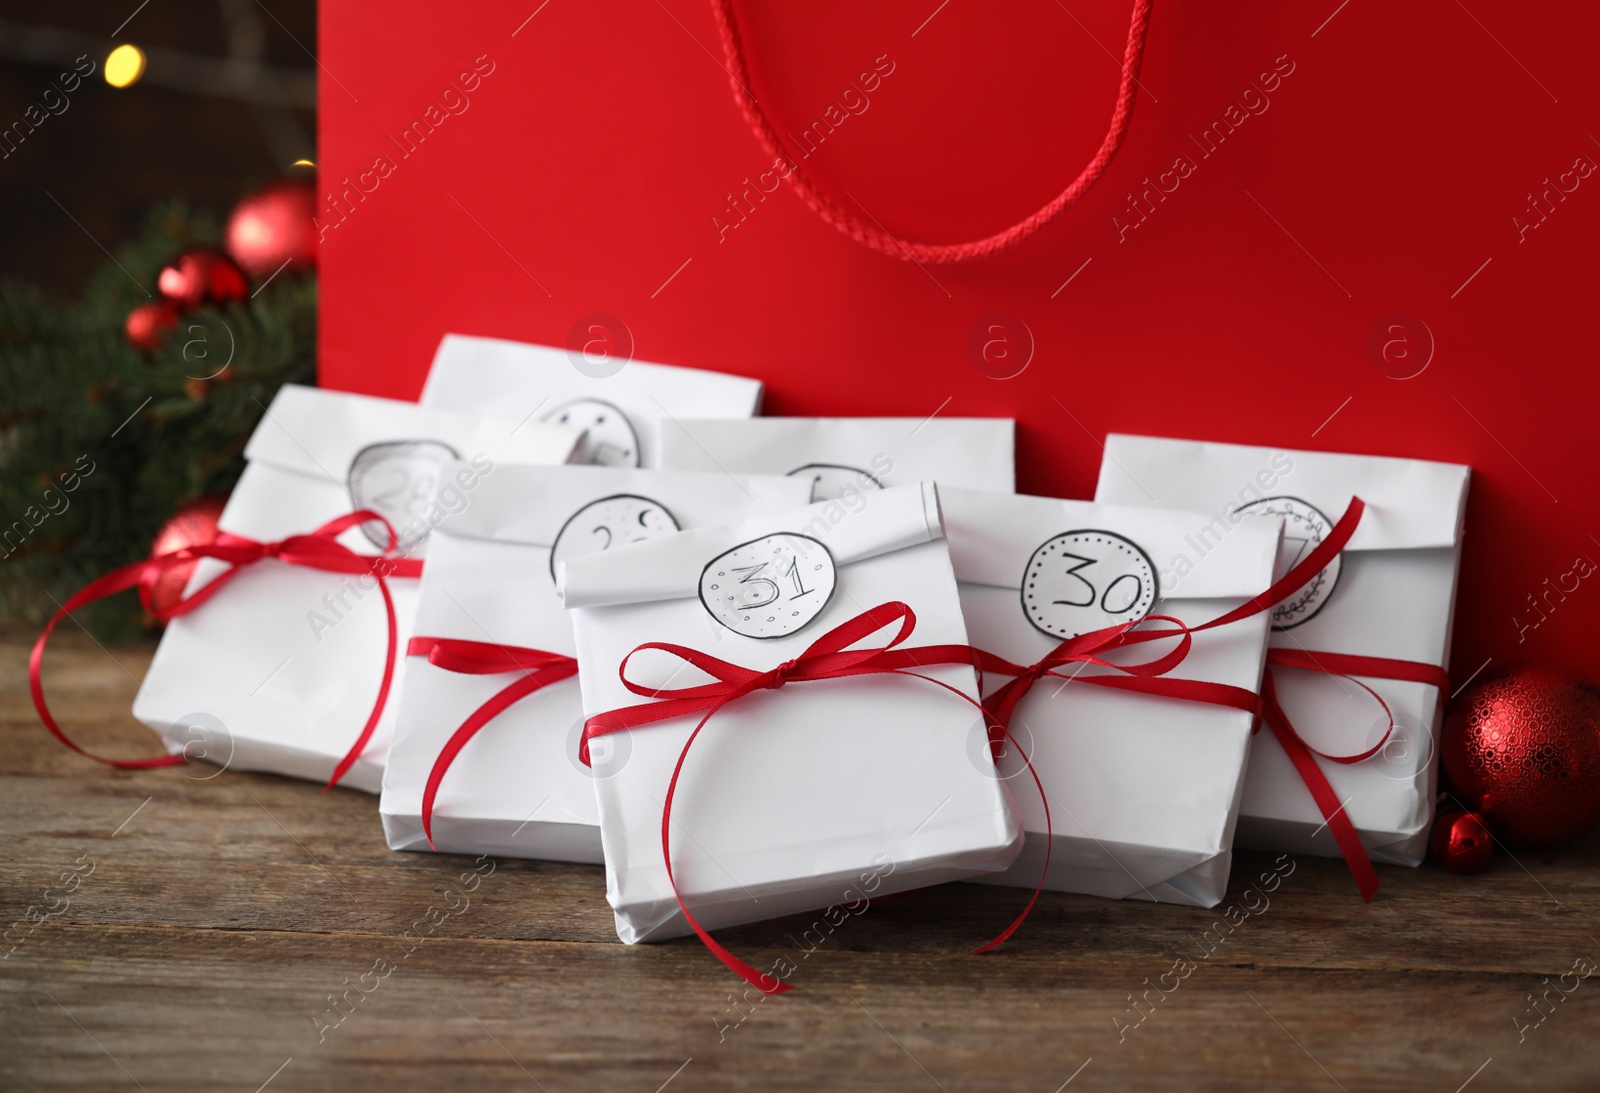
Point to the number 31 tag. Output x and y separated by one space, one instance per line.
769 587
1081 581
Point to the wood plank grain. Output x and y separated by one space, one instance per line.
241 929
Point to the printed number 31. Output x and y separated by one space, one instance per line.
758 591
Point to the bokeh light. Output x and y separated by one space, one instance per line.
124 66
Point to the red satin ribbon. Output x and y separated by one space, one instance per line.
1144 678
1147 677
829 657
1301 754
318 550
539 669
1304 756
1085 648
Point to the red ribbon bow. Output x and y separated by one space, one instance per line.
1150 677
539 669
319 550
1341 664
1303 755
829 657
1146 677
1272 712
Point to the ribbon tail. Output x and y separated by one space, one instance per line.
1339 824
1044 870
118 580
378 704
766 984
493 708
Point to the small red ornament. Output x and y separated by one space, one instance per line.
273 226
193 525
202 275
1461 842
147 324
1522 747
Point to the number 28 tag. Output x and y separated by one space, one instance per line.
1080 581
769 587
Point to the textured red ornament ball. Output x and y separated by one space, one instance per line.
192 525
202 275
273 226
1461 842
147 324
1522 747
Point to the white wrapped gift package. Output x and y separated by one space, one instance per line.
622 405
1143 790
517 788
1390 594
846 455
280 670
790 795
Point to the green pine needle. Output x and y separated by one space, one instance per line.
100 444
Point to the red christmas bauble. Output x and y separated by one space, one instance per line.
1461 842
273 226
1522 747
202 275
192 525
147 324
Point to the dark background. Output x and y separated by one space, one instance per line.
227 100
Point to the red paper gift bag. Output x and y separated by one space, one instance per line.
1349 226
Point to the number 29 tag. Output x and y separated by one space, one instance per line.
769 587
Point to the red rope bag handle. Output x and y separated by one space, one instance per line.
870 235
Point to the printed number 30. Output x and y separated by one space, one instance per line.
1117 597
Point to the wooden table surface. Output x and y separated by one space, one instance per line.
245 932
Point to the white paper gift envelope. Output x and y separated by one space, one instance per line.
1391 594
622 404
844 454
790 795
280 670
1143 790
517 788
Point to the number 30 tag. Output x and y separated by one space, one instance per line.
1081 581
769 587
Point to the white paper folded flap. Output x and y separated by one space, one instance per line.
617 505
1391 594
518 788
791 794
621 402
1411 503
993 537
842 453
316 432
670 568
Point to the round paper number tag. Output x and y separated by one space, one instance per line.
609 439
1304 526
1081 581
398 480
610 522
830 480
770 587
